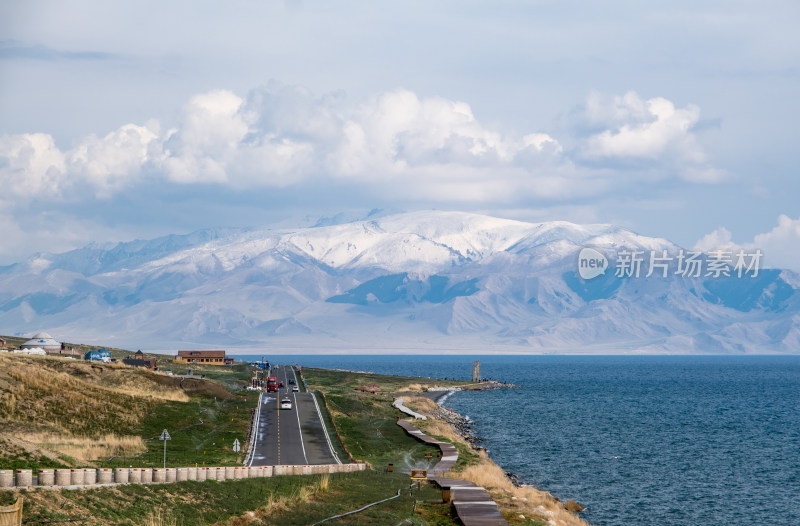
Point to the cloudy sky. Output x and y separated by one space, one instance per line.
124 120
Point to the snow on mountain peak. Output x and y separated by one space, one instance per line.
423 280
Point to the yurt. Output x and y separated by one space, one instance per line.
42 341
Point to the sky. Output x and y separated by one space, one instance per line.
129 120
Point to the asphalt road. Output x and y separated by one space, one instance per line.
290 436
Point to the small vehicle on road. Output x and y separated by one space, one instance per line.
286 403
295 389
291 381
280 385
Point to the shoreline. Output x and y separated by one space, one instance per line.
512 495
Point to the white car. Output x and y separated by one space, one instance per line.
286 403
295 389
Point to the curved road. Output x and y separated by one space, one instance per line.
290 436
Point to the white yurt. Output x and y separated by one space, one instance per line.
42 341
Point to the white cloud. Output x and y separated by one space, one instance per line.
396 144
435 147
30 165
110 163
652 130
720 238
211 129
780 246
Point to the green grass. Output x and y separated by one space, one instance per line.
208 443
328 421
210 502
331 381
367 423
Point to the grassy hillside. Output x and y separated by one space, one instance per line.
60 412
49 397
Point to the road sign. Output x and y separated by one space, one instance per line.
236 446
165 436
419 474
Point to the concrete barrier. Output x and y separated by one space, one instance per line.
46 477
281 470
105 476
121 475
301 470
89 476
76 477
6 478
24 478
63 477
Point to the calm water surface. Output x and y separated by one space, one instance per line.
637 440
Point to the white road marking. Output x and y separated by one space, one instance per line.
325 430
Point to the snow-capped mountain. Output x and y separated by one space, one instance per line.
418 282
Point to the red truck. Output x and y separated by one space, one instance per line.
272 384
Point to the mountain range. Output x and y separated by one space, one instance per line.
418 282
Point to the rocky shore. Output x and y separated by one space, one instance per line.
463 426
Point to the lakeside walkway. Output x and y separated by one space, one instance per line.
474 505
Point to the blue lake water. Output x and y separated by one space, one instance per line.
646 440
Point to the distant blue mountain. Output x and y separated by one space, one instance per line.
416 282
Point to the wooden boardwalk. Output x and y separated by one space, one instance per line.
474 505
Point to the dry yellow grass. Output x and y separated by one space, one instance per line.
324 483
420 404
160 518
87 449
525 500
88 406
